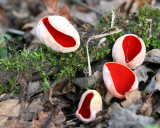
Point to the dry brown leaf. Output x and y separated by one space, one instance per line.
33 88
36 106
4 21
93 3
62 87
9 108
141 3
2 95
146 109
157 82
131 6
153 56
53 9
89 17
132 97
20 15
141 73
85 82
151 101
14 123
151 86
30 26
47 118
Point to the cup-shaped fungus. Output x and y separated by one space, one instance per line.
58 33
129 50
89 105
119 79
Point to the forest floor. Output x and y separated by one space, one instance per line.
41 88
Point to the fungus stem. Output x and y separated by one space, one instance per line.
89 63
108 97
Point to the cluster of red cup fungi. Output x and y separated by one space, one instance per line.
128 52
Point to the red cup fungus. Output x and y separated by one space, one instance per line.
129 50
89 105
58 33
119 79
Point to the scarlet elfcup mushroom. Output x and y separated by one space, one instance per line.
119 79
129 50
89 105
58 34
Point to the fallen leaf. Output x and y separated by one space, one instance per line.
55 10
102 43
56 116
69 88
141 73
151 86
146 109
93 3
32 26
134 107
20 15
123 118
141 3
62 87
4 21
131 6
36 106
89 17
153 56
106 5
9 108
85 82
14 123
157 82
132 97
149 104
62 101
33 88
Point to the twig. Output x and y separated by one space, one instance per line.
113 17
54 112
86 6
150 27
95 37
17 32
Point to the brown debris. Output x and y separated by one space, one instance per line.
9 108
132 97
55 10
131 6
149 104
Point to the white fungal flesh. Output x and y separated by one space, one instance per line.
95 105
61 24
118 53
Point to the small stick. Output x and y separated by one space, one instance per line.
17 32
150 28
95 37
113 17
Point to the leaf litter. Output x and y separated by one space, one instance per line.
56 108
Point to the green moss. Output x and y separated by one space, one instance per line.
3 89
71 63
